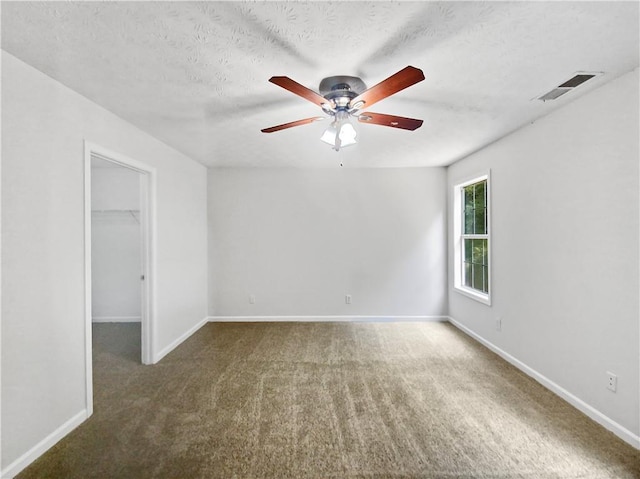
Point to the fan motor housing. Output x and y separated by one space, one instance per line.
341 89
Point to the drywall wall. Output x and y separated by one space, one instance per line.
300 240
116 252
44 125
564 194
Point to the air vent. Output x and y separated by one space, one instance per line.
577 80
555 93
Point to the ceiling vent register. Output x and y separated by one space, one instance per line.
567 86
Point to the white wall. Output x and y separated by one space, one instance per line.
44 125
116 253
565 249
299 240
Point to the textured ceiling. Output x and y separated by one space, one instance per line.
195 74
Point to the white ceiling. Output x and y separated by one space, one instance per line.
195 74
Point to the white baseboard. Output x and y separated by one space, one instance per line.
619 430
166 350
116 319
327 319
36 451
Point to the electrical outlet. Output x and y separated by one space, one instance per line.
499 324
612 382
252 298
347 299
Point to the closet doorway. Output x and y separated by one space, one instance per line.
118 258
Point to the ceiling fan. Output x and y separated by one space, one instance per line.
344 96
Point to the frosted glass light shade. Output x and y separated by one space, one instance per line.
330 134
347 135
340 133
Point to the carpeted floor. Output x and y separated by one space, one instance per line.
326 400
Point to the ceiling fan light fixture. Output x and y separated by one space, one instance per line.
328 108
340 132
357 105
329 135
342 96
347 135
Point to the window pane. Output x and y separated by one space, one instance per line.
485 274
486 222
476 264
477 252
474 198
479 205
477 277
468 197
485 253
467 274
468 246
480 198
468 193
479 224
468 221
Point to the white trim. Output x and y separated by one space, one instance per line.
88 343
619 430
43 446
473 294
118 158
257 319
117 319
0 261
174 344
148 222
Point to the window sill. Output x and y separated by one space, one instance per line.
470 293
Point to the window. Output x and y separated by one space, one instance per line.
471 233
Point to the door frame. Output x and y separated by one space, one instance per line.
148 183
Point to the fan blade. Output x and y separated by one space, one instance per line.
292 124
300 90
390 120
395 83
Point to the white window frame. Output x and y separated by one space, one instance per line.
458 260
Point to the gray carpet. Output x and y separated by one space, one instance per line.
326 400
